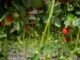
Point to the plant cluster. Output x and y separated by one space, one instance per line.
50 29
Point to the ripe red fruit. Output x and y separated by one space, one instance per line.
66 31
3 23
68 40
10 19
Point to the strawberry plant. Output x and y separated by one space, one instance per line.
40 29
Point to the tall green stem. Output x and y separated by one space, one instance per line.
48 22
77 41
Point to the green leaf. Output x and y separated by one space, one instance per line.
53 20
19 8
62 58
15 14
76 50
66 23
2 35
77 22
3 17
45 19
27 3
35 57
57 23
17 26
37 3
70 17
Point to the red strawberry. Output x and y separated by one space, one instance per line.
10 19
3 23
68 40
66 30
